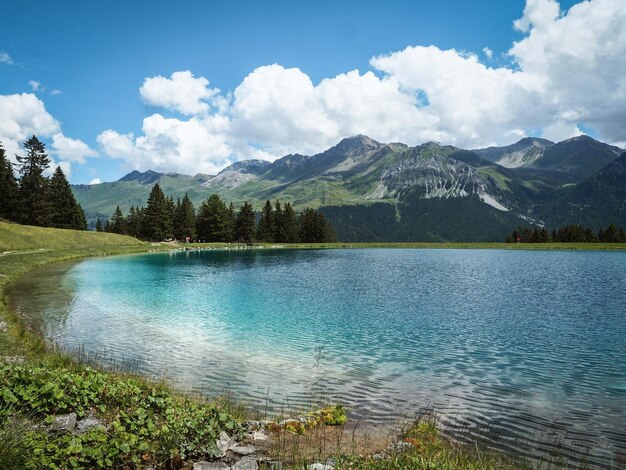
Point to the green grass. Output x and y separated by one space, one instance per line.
15 237
464 246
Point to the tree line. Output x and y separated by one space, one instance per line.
34 198
216 221
567 234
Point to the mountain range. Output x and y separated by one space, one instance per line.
374 191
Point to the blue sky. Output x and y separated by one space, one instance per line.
91 58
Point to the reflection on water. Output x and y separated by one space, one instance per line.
521 348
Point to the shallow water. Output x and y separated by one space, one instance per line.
524 349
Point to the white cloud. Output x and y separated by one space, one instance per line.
538 13
24 115
568 72
196 145
35 85
181 92
73 150
56 92
95 181
5 58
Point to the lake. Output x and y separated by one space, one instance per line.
525 350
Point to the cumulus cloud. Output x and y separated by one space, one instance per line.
196 145
181 92
95 181
56 92
71 150
566 73
5 58
24 115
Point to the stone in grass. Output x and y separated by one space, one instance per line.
223 442
63 423
87 424
243 450
258 435
320 466
246 463
210 466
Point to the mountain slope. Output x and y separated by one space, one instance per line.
423 187
597 201
577 158
521 153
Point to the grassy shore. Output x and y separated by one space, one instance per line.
446 245
149 424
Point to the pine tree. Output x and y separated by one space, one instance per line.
99 225
171 210
245 225
290 225
33 186
118 222
611 235
278 228
185 225
314 228
266 222
157 220
212 221
231 220
65 212
8 188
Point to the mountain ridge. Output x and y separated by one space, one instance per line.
360 171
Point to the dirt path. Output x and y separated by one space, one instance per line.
7 253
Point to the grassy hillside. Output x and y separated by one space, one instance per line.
15 237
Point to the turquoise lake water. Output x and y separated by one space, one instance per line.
523 349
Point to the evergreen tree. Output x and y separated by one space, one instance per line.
611 235
212 223
185 220
133 222
65 212
99 225
266 222
231 220
290 225
33 187
245 225
8 188
157 219
622 235
314 228
118 222
278 225
171 210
